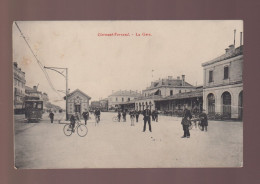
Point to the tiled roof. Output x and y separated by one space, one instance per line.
236 52
125 93
197 93
79 92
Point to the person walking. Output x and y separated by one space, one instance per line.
186 121
137 115
85 115
124 115
156 115
119 115
153 115
147 118
204 121
51 115
132 117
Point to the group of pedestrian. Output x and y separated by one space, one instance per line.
134 115
155 115
186 121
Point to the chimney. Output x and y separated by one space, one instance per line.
241 37
227 49
234 38
15 64
178 78
183 80
35 88
170 77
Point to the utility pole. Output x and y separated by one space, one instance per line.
56 69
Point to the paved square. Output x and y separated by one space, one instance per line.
119 145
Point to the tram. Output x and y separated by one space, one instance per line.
33 109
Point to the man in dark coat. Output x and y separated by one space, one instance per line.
156 115
119 116
85 115
124 115
51 115
186 122
153 115
204 121
136 115
147 118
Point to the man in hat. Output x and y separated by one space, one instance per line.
85 115
147 118
51 115
186 121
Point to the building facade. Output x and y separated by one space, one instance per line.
77 101
33 92
160 89
121 97
223 84
18 88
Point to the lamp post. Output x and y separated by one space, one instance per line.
56 69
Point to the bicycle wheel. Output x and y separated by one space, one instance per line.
67 130
82 130
115 119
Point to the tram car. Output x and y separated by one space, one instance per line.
33 109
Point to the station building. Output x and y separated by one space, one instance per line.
77 101
223 84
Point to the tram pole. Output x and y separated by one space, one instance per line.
56 69
67 116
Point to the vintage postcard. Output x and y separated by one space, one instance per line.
128 94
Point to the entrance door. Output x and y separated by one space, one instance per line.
226 99
78 108
211 104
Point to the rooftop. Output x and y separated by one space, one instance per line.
230 53
126 93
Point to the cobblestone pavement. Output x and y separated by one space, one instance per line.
119 145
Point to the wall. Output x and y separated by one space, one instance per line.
235 72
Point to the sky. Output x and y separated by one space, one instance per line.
98 65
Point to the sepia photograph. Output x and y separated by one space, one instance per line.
128 94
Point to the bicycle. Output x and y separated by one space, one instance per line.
82 130
115 119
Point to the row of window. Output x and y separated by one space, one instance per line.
226 74
18 83
159 93
123 99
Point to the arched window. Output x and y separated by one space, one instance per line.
226 104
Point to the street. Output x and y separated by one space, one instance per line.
118 145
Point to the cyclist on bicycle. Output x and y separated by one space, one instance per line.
97 114
73 119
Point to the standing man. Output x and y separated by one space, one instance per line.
124 115
85 115
119 115
132 117
186 121
51 115
156 115
204 120
147 118
153 115
136 115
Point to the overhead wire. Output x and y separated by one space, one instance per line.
39 63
